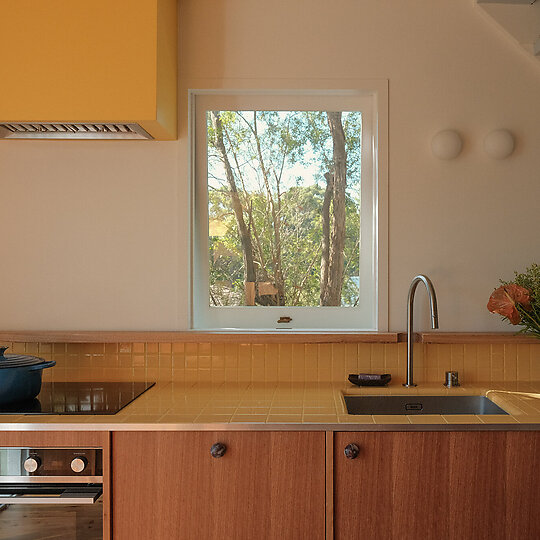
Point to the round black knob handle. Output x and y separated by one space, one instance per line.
352 451
218 450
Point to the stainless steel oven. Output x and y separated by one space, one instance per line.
51 493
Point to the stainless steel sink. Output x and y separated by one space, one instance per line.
421 405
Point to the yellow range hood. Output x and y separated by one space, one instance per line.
74 69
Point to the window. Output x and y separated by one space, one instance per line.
286 210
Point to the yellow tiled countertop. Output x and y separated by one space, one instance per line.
288 406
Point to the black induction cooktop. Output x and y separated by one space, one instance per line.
80 398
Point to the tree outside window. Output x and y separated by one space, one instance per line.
284 207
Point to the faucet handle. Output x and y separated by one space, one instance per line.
451 379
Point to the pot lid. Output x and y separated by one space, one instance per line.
18 360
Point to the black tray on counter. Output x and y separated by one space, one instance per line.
370 379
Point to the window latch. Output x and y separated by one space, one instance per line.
284 320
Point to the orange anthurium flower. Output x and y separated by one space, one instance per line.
504 299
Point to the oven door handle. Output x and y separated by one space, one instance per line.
70 495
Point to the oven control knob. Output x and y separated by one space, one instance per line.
32 464
79 464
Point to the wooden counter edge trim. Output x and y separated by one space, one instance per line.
7 429
466 338
196 336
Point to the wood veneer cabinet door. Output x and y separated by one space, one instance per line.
166 485
438 485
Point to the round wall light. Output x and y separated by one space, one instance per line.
446 144
499 144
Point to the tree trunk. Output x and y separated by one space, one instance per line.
325 244
332 296
276 219
250 274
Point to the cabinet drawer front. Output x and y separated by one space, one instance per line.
219 485
434 485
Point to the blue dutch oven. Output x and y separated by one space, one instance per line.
20 376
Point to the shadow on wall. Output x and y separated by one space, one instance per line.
208 20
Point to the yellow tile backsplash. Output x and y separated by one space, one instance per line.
283 362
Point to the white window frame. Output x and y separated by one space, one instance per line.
372 100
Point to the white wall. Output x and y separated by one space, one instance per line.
93 234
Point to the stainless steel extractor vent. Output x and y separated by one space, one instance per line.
35 130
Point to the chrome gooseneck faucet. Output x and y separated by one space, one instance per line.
434 321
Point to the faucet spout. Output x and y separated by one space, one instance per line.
410 315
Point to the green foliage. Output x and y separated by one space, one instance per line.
296 150
312 127
530 280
